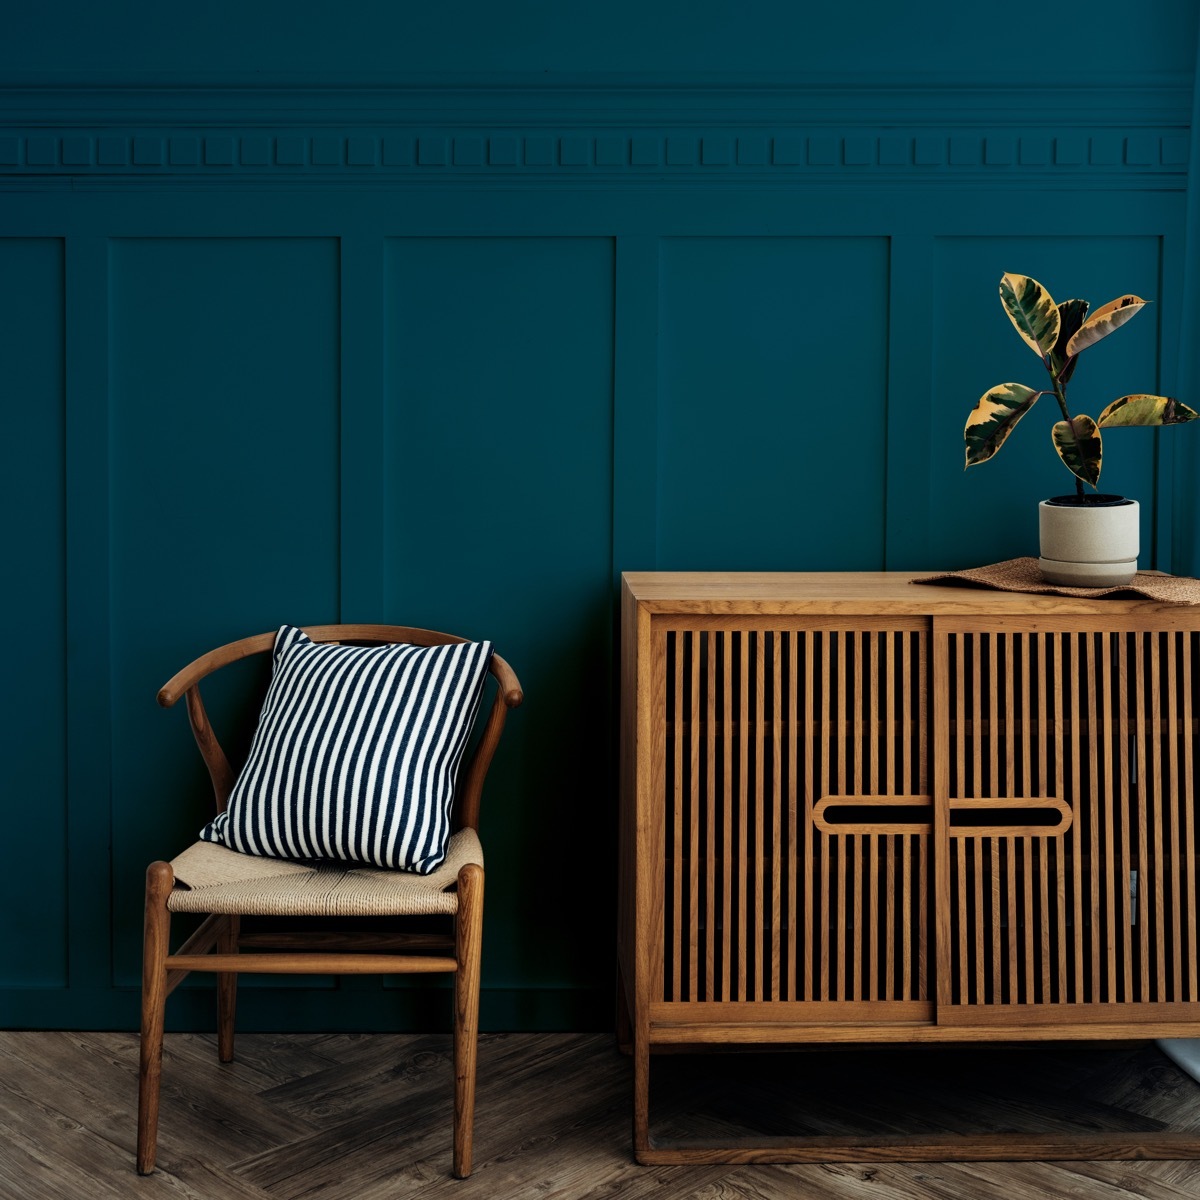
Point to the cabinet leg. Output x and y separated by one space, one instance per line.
641 1097
624 1022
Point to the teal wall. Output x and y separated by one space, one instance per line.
447 314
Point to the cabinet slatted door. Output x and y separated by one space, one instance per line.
797 815
1070 869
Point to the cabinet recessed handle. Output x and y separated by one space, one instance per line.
874 814
1009 816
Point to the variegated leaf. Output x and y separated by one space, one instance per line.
994 417
1104 320
1032 311
1071 314
1078 444
1146 410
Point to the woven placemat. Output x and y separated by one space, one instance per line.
1024 575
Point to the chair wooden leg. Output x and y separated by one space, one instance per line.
156 945
468 938
227 943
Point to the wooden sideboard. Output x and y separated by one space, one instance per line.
856 809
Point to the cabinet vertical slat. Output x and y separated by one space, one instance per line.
1007 702
1009 713
853 748
921 788
1031 722
1123 804
893 848
1158 885
923 918
677 858
1174 653
1046 851
870 902
694 801
1145 898
760 738
730 802
1093 777
810 757
1009 849
1028 917
923 749
793 817
745 931
1075 719
776 811
977 847
979 784
825 640
1100 728
993 991
710 815
907 756
1189 817
962 968
1058 700
840 643
875 784
1022 715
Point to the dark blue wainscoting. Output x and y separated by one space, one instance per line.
457 356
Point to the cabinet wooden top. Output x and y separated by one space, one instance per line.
857 593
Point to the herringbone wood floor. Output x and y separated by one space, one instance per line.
362 1117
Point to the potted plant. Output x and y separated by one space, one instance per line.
1087 539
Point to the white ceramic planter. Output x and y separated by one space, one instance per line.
1089 545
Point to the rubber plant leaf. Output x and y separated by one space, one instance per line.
1146 410
1104 320
1071 314
1078 444
1032 311
994 417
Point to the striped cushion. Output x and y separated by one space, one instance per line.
356 753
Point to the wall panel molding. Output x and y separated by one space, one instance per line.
458 353
1083 133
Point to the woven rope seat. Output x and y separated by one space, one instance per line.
213 879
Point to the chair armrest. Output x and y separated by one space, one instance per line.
509 684
183 681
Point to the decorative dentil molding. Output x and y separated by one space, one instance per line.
698 129
427 154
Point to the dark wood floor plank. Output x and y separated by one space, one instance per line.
1166 1180
275 1058
367 1117
342 1090
1146 1081
203 1110
46 1153
1096 1181
401 1140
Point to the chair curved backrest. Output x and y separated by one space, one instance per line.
186 684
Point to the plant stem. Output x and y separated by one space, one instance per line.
1060 394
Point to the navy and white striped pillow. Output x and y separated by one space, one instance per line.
356 753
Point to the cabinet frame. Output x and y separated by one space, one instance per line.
710 607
